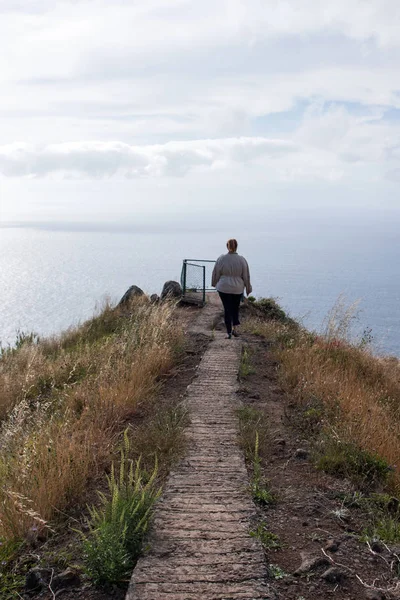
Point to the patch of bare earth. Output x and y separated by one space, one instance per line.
321 554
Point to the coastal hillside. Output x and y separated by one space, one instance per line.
93 422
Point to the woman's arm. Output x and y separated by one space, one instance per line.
246 277
216 274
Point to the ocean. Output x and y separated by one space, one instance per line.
54 278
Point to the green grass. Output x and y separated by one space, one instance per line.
383 513
345 459
269 540
245 367
11 581
252 423
386 529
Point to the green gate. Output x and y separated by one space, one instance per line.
196 280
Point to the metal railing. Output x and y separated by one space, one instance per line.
196 279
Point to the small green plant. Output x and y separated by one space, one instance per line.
251 422
269 540
276 572
116 529
245 368
260 491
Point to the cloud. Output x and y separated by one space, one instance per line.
108 159
220 78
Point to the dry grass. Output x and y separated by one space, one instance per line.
360 391
64 401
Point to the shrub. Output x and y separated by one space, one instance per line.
116 529
271 310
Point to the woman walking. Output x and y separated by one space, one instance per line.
231 276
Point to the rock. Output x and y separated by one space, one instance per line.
310 564
377 546
36 579
332 546
374 595
255 396
334 575
67 578
280 442
171 289
33 581
154 298
301 453
130 293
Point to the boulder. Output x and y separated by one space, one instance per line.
130 293
171 289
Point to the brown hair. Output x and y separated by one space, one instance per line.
232 245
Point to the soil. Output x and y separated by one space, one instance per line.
308 516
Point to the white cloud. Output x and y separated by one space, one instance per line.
107 159
163 76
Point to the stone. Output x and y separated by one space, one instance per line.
154 298
171 289
36 579
376 546
132 292
301 453
310 564
334 575
33 581
68 578
332 546
374 595
280 442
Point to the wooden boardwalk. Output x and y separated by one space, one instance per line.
200 547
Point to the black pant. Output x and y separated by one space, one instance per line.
231 304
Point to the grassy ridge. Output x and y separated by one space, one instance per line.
64 402
349 395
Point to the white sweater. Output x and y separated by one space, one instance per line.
231 274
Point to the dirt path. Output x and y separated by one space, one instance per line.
200 545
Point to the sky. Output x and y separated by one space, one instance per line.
143 112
